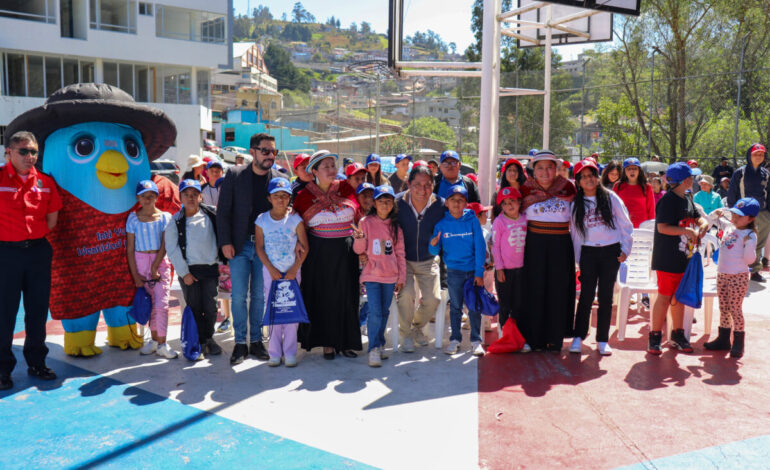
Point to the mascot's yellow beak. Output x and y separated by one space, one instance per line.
112 169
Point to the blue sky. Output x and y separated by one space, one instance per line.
449 18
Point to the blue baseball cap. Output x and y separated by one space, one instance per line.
696 171
532 152
678 172
458 189
402 156
372 158
279 184
190 183
145 186
746 206
214 163
363 187
449 154
384 190
632 162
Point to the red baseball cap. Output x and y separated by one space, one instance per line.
512 161
690 163
477 208
586 163
474 177
354 168
757 148
420 163
509 192
300 159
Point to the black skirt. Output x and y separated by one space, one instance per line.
549 284
330 288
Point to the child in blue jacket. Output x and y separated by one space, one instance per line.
460 237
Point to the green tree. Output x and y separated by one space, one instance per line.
395 144
288 76
432 128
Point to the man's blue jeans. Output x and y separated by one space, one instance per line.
245 272
456 282
379 298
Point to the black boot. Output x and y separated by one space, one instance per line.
721 342
737 349
654 342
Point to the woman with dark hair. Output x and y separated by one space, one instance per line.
330 272
601 236
611 174
549 259
374 170
511 174
635 192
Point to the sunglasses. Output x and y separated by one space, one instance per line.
24 152
266 150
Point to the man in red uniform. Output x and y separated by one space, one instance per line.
29 206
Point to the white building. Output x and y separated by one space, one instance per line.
161 52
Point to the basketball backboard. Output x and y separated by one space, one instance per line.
586 27
624 7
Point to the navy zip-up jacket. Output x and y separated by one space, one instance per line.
754 182
418 231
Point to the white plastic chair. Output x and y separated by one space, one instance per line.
638 277
440 318
648 225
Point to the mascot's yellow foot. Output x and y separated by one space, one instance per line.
81 343
124 337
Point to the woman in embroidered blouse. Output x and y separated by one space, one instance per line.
330 285
549 259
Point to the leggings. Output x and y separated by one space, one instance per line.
159 291
732 289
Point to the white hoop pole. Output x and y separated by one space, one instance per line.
547 100
490 99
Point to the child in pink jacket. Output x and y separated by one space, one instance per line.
379 237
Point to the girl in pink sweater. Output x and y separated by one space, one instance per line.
636 192
379 237
509 231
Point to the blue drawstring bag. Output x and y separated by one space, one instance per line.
285 304
479 299
191 347
690 290
142 307
715 255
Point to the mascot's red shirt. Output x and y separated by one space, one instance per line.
89 271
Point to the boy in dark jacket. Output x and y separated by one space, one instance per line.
460 236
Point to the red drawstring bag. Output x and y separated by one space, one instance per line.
511 341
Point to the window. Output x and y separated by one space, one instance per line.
145 9
70 68
35 85
176 85
203 87
114 15
2 135
39 77
86 72
229 134
52 74
31 10
191 25
141 83
126 78
110 73
16 75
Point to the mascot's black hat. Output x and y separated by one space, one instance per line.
87 102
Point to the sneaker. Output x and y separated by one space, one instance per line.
756 277
452 347
149 347
477 349
165 351
679 341
407 345
526 348
646 302
374 358
290 361
240 351
212 348
257 349
364 330
653 343
225 326
383 353
420 338
604 349
577 343
274 362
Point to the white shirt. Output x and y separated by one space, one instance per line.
736 252
280 238
597 233
201 243
550 210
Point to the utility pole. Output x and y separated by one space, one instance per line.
738 100
414 105
338 117
582 106
377 116
547 100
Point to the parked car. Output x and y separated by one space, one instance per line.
228 154
167 168
210 145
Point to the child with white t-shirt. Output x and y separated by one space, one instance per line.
277 233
